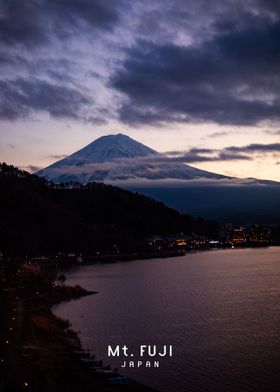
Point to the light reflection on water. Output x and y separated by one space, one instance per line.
220 310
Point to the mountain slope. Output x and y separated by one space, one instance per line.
36 217
120 160
239 204
117 158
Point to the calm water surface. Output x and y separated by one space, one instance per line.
220 310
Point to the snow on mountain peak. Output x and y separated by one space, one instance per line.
117 158
107 148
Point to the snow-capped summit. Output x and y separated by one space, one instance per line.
107 148
119 158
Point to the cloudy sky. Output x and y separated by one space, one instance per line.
183 76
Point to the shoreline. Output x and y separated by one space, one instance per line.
47 354
51 355
61 262
88 260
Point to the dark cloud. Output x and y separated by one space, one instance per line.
217 134
190 157
20 97
22 22
231 79
177 153
252 148
230 153
187 61
96 13
33 22
225 156
272 6
203 155
57 156
201 150
197 21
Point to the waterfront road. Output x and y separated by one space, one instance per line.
11 332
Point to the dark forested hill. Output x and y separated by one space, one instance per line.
37 216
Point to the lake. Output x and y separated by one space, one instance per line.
220 310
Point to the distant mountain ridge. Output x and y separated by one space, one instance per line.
122 161
37 216
120 158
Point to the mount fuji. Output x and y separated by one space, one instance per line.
119 159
